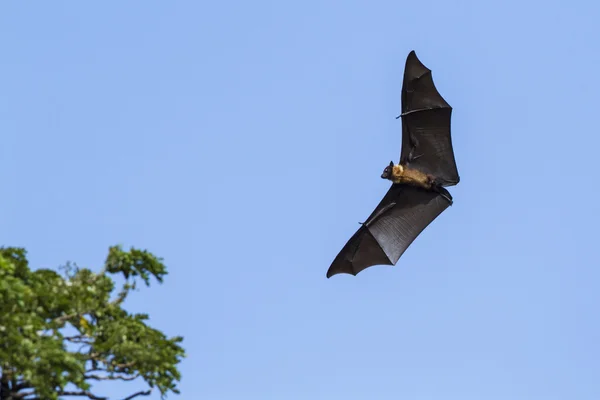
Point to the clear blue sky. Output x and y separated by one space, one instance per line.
243 141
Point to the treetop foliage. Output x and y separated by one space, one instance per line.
62 331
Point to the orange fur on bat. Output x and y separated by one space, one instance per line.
402 174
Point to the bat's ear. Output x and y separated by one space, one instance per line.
391 163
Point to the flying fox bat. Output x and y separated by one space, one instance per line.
417 195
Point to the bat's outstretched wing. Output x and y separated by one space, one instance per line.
403 213
426 125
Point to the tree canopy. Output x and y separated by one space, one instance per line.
61 332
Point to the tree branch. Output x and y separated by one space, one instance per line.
82 393
97 357
121 296
65 318
140 393
78 339
111 377
22 395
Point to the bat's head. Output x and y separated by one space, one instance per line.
387 172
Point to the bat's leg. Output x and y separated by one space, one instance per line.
445 194
436 187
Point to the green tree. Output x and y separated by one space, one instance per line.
62 332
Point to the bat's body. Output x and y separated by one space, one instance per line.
402 174
417 195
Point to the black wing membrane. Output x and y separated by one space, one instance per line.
426 124
403 213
